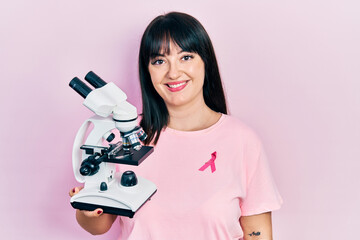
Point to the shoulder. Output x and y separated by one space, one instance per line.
239 129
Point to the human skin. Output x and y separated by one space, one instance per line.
178 77
186 105
95 222
178 68
257 227
188 112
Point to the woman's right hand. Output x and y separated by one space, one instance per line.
96 213
95 222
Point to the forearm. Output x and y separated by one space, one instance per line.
257 227
95 225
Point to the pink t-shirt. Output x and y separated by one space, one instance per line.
195 204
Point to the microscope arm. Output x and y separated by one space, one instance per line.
102 128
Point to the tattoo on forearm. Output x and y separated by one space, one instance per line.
254 234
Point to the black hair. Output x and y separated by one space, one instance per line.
188 33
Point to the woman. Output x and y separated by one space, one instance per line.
210 169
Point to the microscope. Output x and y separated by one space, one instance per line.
95 157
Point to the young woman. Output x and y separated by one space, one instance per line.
210 169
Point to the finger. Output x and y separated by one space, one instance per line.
96 213
74 191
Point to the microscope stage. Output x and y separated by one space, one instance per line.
134 158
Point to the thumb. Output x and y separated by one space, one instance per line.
96 213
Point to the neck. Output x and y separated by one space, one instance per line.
192 117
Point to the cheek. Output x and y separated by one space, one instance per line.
198 71
155 76
156 81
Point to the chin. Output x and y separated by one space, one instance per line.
177 103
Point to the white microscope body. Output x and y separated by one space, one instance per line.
95 164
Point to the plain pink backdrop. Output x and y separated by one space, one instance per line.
291 71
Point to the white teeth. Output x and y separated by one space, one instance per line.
176 85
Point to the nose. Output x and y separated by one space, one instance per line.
174 71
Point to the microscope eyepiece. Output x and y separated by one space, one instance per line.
94 80
80 87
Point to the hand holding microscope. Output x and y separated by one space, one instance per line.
94 156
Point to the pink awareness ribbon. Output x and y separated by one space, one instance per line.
211 163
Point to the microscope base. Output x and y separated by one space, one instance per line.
106 209
118 200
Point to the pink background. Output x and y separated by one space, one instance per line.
291 71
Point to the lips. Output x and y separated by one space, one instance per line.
176 86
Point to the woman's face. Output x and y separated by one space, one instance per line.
178 77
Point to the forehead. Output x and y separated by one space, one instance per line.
166 48
166 44
170 47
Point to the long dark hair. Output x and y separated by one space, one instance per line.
188 33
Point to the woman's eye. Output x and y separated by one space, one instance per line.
157 62
187 57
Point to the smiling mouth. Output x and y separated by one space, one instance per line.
176 86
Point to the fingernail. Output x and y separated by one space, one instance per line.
73 190
99 212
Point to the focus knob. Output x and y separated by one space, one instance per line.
128 179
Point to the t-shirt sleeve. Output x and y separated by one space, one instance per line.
261 192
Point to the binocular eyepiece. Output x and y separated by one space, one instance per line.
81 88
